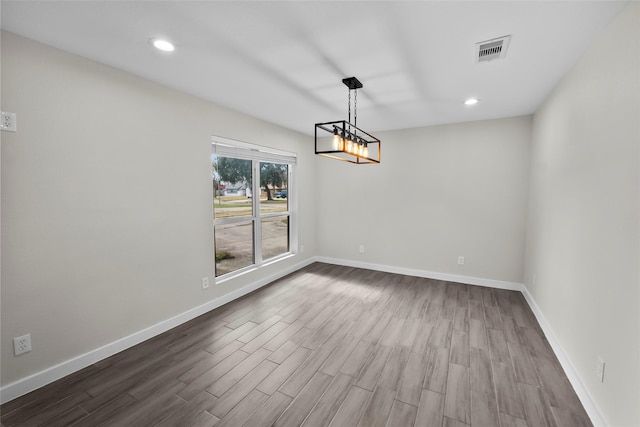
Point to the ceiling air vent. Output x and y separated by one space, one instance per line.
492 49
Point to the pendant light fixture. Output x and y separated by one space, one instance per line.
342 140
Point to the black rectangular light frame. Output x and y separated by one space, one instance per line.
344 128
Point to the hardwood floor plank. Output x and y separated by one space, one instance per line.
151 409
328 405
354 364
461 319
498 346
478 334
209 362
492 317
509 421
410 331
511 329
402 414
264 337
302 404
241 389
484 410
476 310
375 333
437 369
50 413
199 384
254 332
536 408
441 333
556 385
352 408
270 384
244 409
373 367
459 348
343 351
480 372
421 342
450 422
507 391
523 365
228 338
192 413
431 313
412 379
235 374
290 346
287 333
323 333
377 411
116 406
303 374
567 417
67 418
266 415
430 409
535 342
457 402
392 332
393 370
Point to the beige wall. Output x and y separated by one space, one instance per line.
583 230
439 193
106 203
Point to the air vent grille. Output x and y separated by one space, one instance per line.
492 49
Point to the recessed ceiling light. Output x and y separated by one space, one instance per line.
162 45
471 101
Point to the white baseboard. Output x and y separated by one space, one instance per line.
585 398
491 283
42 378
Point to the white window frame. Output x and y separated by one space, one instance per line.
225 147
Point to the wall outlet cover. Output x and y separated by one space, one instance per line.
22 344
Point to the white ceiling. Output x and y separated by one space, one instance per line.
283 62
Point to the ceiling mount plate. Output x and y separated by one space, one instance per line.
352 83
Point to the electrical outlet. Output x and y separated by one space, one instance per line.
205 282
8 122
22 345
460 260
361 249
600 369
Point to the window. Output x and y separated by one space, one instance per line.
252 215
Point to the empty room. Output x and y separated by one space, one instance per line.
320 213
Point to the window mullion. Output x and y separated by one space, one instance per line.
257 224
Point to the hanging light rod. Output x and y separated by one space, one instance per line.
342 140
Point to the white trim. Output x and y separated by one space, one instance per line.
42 378
585 398
490 283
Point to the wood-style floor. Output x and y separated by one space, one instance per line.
328 345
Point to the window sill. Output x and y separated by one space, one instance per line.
238 273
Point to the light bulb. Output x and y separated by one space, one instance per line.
365 151
162 45
349 145
336 141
